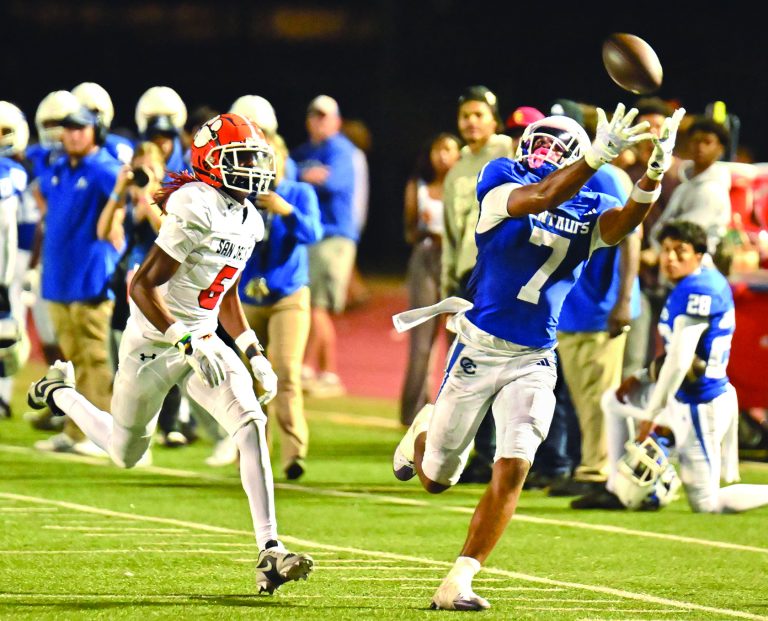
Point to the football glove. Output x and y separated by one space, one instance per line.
611 138
262 371
661 157
199 353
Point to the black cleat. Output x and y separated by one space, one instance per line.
275 567
598 499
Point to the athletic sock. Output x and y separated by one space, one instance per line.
94 423
742 497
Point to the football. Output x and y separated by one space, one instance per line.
632 63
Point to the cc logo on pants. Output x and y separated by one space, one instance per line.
468 365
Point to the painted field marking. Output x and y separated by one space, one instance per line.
304 543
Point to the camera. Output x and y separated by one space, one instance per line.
140 177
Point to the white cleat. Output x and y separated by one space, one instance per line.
276 566
451 595
60 375
403 459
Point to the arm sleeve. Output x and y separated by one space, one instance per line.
686 332
186 224
493 209
342 171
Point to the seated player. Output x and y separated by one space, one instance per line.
686 391
185 285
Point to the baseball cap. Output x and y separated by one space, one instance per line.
523 116
81 117
323 104
567 107
483 94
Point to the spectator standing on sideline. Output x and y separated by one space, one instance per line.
76 189
275 294
326 162
423 219
479 127
516 123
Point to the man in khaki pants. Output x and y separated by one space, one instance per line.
77 265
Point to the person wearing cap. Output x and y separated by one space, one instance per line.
77 266
326 161
518 120
480 128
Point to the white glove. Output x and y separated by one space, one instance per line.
199 353
612 138
262 371
661 158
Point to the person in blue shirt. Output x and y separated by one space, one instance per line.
687 390
538 225
96 98
76 265
275 294
326 162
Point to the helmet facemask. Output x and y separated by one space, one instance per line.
548 145
245 167
645 476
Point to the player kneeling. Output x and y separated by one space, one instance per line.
185 286
687 391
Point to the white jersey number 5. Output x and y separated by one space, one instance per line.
531 291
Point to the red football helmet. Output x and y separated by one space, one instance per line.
230 151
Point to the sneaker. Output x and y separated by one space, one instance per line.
60 375
402 461
44 420
325 385
598 499
88 448
277 566
295 469
224 453
451 595
173 439
60 443
307 373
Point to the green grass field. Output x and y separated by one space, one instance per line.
81 539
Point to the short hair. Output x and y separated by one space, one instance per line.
151 150
710 126
684 231
653 105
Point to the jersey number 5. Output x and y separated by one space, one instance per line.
531 291
210 296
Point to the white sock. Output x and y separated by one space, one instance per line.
464 569
96 424
256 476
742 497
6 388
617 433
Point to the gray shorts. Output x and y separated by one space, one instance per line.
330 266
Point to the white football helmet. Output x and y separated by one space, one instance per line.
14 347
160 101
645 476
257 110
567 142
51 111
14 130
94 97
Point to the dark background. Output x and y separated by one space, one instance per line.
398 66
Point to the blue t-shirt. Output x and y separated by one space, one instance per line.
119 147
76 265
526 266
588 305
335 196
281 259
705 293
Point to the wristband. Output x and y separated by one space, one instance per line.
248 341
176 332
645 196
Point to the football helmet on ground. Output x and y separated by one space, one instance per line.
645 477
14 130
229 151
552 142
50 113
160 101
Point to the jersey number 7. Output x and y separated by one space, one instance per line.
531 291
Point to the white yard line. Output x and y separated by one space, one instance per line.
311 545
606 528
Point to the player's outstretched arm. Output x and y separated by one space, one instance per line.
617 223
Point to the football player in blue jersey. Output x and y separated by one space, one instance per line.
160 118
686 391
538 226
95 97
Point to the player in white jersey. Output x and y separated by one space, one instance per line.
186 284
686 391
538 225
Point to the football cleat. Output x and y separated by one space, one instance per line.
451 595
403 459
277 566
60 375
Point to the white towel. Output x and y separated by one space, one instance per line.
411 318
